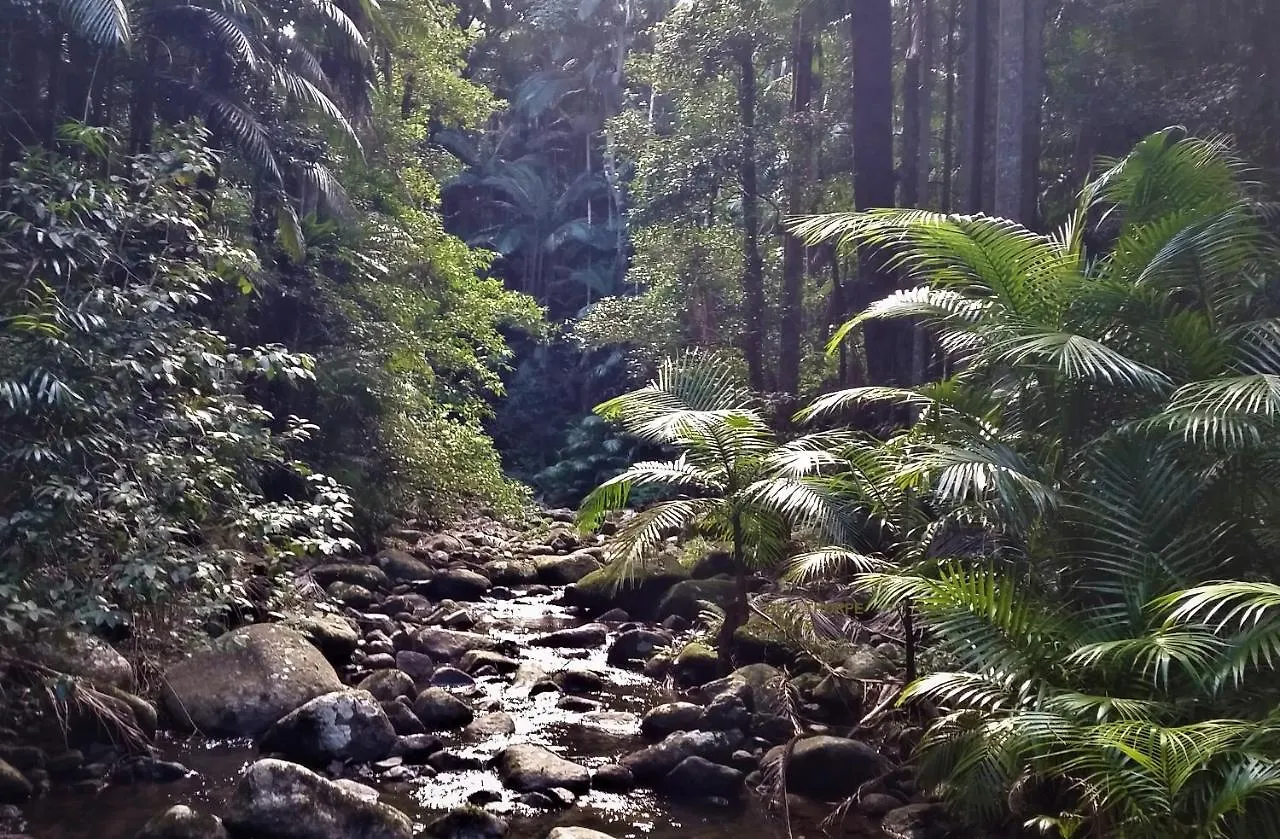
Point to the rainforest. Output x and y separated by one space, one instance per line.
605 419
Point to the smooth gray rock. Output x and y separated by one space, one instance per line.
439 709
529 768
670 718
246 680
347 725
279 800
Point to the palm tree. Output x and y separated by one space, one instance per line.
733 480
1113 425
236 64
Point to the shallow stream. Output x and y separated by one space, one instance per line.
592 738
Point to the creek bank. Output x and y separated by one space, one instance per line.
433 693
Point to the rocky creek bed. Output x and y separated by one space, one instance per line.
449 690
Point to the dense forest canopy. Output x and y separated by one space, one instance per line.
943 321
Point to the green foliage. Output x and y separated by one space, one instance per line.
732 480
1109 428
136 469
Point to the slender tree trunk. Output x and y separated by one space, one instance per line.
871 22
909 639
753 267
735 614
1011 101
909 186
1033 91
924 149
949 109
791 325
142 112
977 70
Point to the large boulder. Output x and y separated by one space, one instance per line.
246 680
511 572
403 567
448 644
685 598
759 641
670 718
181 822
637 645
87 656
279 800
347 725
335 636
716 562
651 765
564 570
361 574
695 664
587 635
456 584
600 591
529 768
438 709
828 768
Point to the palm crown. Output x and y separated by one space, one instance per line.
1111 422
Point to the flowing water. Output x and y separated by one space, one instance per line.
591 739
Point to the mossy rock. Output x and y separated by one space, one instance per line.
596 592
695 665
685 597
759 642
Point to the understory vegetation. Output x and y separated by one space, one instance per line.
942 327
1108 437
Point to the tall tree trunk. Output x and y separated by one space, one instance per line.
949 109
977 70
753 266
142 108
1011 102
924 149
871 31
909 185
800 165
1033 91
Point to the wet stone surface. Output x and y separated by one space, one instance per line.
593 721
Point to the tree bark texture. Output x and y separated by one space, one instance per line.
1011 107
753 266
800 165
888 344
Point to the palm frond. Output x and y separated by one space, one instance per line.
646 532
104 22
832 563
